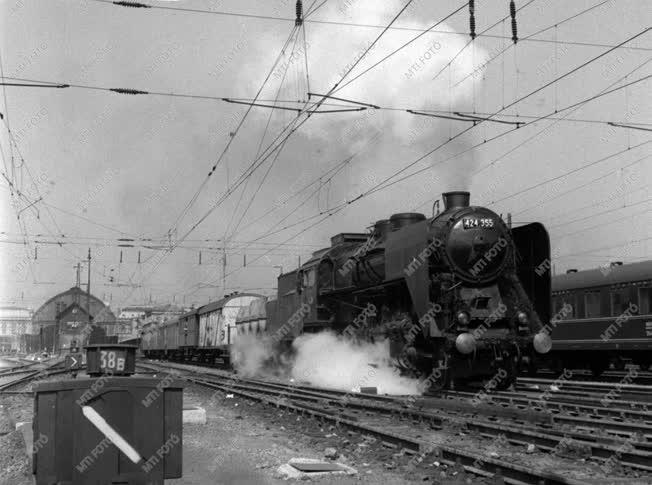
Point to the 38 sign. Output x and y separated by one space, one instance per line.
112 360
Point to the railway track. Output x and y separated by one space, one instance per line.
611 376
30 375
389 419
601 390
573 405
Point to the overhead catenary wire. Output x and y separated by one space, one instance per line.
338 208
190 203
483 33
629 126
603 248
260 145
529 36
248 172
573 190
363 25
569 172
419 159
349 107
341 206
606 211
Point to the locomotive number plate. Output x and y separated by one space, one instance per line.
471 222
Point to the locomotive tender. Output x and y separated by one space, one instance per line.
457 295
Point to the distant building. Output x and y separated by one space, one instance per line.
141 315
71 317
14 322
133 312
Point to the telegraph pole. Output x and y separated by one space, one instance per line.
223 270
88 289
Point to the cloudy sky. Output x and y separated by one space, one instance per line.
100 169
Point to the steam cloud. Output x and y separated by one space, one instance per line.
250 353
326 360
405 80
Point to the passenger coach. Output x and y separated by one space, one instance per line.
605 317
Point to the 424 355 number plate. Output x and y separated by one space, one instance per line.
473 222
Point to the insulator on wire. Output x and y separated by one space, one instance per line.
128 91
244 260
299 20
35 253
138 257
126 3
199 258
120 256
472 18
512 13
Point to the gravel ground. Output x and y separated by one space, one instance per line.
571 461
15 467
242 443
245 443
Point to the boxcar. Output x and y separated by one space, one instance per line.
252 319
170 333
217 328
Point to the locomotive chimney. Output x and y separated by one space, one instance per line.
456 200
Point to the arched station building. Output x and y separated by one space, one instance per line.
71 316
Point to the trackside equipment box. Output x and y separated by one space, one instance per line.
115 359
107 430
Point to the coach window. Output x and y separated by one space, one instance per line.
591 304
560 301
570 300
619 301
645 300
556 303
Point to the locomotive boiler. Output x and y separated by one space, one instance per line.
457 295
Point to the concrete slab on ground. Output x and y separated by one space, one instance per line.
302 468
194 415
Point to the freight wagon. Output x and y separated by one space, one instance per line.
203 335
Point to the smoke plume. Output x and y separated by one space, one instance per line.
325 360
328 360
249 354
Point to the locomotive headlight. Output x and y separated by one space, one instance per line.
463 318
542 342
465 343
522 317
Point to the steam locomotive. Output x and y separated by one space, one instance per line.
459 295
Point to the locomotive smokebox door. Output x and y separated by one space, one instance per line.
108 430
